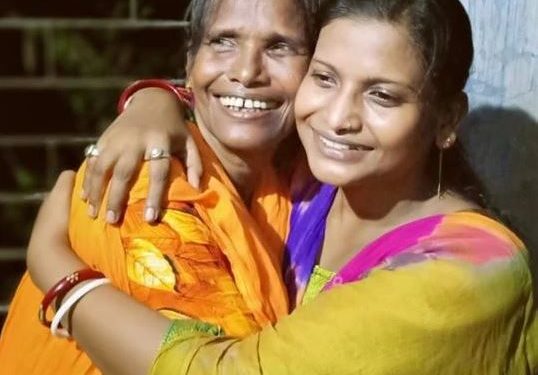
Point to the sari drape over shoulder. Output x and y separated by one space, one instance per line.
446 294
210 258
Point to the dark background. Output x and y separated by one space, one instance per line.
59 85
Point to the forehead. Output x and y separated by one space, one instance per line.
382 49
258 16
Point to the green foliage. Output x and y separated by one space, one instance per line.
26 180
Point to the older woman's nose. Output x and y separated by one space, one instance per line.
248 68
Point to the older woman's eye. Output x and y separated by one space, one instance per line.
281 49
221 43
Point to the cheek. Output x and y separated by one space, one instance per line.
403 138
310 101
395 127
204 70
289 73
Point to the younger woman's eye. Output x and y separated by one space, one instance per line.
324 80
384 98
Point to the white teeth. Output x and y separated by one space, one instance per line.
238 103
335 145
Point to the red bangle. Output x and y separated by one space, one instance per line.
62 287
183 95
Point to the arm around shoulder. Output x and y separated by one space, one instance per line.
435 317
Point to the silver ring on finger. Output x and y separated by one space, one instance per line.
91 151
157 153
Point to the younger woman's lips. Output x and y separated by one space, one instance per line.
346 152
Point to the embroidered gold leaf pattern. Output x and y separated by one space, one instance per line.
147 266
189 227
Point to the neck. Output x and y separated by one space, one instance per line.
383 202
244 168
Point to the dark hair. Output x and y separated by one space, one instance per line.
441 30
200 12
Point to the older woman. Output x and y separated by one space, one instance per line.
210 257
409 276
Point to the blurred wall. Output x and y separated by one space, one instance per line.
505 70
501 132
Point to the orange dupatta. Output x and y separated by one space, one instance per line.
255 261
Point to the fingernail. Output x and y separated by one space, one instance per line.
149 214
92 212
83 195
111 217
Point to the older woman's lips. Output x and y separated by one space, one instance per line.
240 102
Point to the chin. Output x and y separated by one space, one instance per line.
339 176
258 140
252 143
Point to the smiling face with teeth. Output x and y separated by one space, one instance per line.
363 117
246 72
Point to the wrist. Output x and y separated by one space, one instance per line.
61 261
61 325
62 288
156 87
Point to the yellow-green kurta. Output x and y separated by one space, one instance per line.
460 301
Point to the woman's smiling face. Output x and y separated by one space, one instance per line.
360 112
247 70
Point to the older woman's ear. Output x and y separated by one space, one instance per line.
188 65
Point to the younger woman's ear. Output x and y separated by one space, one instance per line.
452 115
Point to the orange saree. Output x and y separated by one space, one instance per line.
210 258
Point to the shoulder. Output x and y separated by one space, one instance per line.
477 239
464 252
467 237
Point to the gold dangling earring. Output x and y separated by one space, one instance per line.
440 173
447 144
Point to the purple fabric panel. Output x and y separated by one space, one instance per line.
307 230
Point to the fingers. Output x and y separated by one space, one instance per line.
159 170
90 164
119 172
158 155
120 183
193 162
99 175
